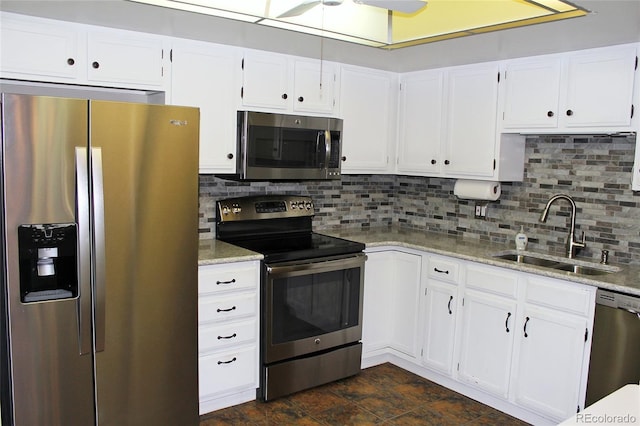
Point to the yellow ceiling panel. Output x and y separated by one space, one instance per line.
378 27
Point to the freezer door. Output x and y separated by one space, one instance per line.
145 174
50 381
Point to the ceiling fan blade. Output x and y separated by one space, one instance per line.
404 6
300 9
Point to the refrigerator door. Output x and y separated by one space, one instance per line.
50 381
146 324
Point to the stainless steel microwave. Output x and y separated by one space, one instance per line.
287 147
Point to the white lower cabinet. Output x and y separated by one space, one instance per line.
228 333
517 341
440 313
553 340
391 302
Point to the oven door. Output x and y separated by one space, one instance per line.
312 306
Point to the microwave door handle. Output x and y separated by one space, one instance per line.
327 147
318 152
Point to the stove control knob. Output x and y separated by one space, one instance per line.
309 206
294 205
236 209
225 210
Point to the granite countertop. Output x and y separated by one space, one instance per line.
626 281
213 252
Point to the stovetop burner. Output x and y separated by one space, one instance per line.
277 226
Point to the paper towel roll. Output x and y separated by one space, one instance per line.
477 190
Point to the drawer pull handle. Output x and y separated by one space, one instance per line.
441 272
226 282
227 362
449 304
227 337
525 327
506 322
233 308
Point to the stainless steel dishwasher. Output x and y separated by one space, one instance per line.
615 347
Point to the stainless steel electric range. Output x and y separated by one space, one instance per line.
311 292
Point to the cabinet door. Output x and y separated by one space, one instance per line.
32 49
314 86
420 127
531 94
265 80
440 322
472 103
552 346
599 89
368 104
378 276
207 76
124 58
488 327
405 288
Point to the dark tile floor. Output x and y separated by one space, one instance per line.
383 395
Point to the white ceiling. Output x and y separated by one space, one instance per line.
612 22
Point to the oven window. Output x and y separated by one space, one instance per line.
285 148
311 305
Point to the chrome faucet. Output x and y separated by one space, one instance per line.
572 244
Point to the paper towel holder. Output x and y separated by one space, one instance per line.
480 190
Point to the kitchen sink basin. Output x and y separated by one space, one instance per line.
527 259
583 270
578 267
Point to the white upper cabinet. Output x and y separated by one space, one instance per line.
124 57
36 49
368 100
314 87
39 49
420 123
448 126
472 106
208 76
586 91
281 83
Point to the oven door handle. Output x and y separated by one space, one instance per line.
329 264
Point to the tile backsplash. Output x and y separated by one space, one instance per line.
595 171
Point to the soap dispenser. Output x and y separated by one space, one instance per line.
521 239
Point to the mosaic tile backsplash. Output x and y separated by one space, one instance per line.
595 171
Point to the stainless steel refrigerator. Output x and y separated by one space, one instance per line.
99 262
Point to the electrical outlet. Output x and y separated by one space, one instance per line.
481 211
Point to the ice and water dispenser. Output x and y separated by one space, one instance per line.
48 262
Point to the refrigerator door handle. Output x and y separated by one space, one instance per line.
84 251
97 197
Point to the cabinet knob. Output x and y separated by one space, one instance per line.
447 162
300 99
230 156
284 96
71 61
569 112
343 158
549 113
95 65
433 161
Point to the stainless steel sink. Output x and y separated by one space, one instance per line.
578 267
527 259
583 270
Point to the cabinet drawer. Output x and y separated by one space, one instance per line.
443 269
494 280
221 278
226 308
573 298
229 370
216 337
